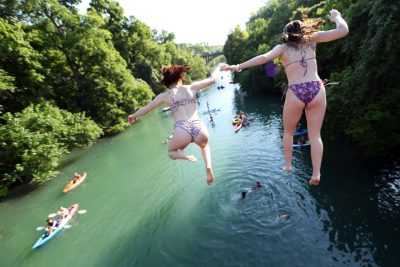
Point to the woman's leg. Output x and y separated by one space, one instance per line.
292 111
315 112
179 141
202 141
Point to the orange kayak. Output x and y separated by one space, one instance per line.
71 185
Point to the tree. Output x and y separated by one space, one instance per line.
33 141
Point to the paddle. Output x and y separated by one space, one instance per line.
42 227
39 228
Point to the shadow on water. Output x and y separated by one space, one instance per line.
20 190
361 201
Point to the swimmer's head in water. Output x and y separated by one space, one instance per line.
244 193
285 215
173 73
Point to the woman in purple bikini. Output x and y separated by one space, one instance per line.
305 89
188 126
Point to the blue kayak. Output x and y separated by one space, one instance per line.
43 239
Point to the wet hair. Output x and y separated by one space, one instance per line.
244 193
173 73
297 33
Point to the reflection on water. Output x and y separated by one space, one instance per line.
146 210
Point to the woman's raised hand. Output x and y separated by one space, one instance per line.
225 67
333 14
132 119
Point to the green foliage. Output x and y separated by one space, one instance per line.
102 64
33 141
6 83
371 90
19 60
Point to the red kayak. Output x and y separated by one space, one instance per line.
237 127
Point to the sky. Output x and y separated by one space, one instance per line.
200 21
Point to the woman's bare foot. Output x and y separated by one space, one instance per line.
191 158
287 168
210 176
314 180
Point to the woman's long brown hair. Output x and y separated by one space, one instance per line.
297 32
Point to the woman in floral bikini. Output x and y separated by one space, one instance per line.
188 126
305 90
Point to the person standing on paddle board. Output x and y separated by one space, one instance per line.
188 126
306 90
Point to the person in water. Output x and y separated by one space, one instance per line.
302 140
76 178
51 225
258 185
62 212
211 118
47 231
188 126
305 88
243 119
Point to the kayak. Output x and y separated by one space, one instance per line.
42 240
72 185
237 127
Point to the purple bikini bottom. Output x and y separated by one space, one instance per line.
306 91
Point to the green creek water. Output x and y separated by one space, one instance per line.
144 209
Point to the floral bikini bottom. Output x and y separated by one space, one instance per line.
306 91
192 127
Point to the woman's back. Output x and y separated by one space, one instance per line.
300 63
183 102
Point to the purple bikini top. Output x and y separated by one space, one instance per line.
181 102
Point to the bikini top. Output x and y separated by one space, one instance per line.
302 61
181 102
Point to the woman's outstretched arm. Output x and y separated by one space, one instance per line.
341 28
196 86
157 101
258 60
